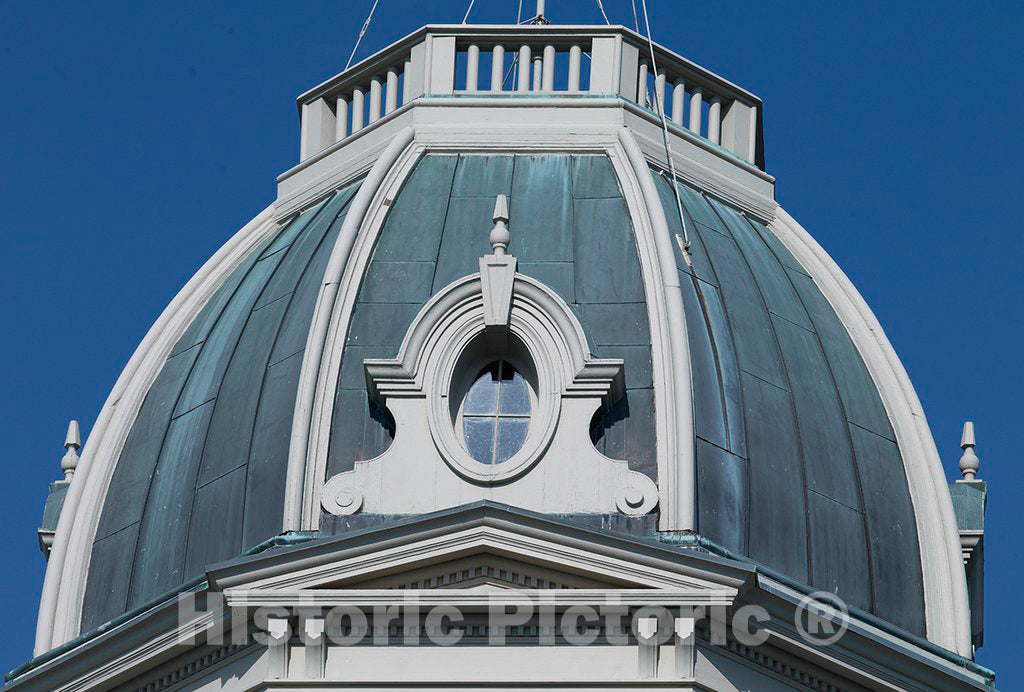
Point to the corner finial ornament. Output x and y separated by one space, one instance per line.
969 462
500 235
72 443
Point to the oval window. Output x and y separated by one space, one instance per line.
496 413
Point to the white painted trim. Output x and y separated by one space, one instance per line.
473 599
299 482
64 585
657 262
945 584
677 474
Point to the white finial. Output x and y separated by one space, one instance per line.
969 462
500 236
72 443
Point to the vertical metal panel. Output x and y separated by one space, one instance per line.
722 496
135 465
607 264
160 553
558 276
708 401
464 240
615 324
215 529
412 230
753 334
593 178
823 428
286 275
200 327
540 209
892 531
215 353
287 235
778 504
771 277
637 365
483 176
381 324
701 266
295 329
860 396
268 457
106 595
700 210
778 249
397 282
234 409
839 561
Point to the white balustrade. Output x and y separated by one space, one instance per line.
548 60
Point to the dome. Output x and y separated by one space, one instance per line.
796 443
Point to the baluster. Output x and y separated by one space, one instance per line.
549 68
391 102
696 101
407 70
524 69
641 85
574 68
678 94
659 89
472 67
357 109
497 68
375 89
340 118
538 68
715 119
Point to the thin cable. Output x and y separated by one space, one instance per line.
468 10
362 32
600 6
664 136
515 60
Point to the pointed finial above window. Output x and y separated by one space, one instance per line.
72 443
969 462
500 236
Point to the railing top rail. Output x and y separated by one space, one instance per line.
491 34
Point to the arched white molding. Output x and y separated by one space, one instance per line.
306 471
60 607
677 478
427 468
673 406
945 583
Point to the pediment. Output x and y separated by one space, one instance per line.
482 547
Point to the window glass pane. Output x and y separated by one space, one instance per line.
515 395
483 395
479 433
511 436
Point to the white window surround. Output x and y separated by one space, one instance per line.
556 470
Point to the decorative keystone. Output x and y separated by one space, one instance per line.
497 274
72 443
969 462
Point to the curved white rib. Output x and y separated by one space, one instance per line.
295 484
677 488
60 605
941 561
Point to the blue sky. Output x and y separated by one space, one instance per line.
137 137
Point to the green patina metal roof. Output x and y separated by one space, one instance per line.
798 467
